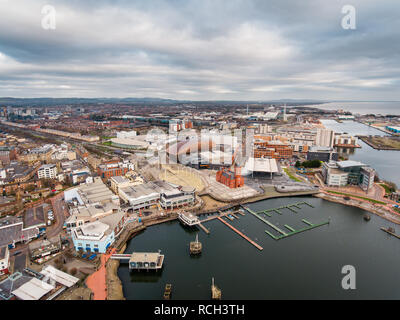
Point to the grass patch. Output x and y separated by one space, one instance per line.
107 143
359 197
291 176
387 188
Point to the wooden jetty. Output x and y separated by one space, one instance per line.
284 234
203 228
241 234
216 293
390 231
292 207
195 247
234 215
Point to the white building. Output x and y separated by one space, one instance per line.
99 235
149 194
334 177
47 171
325 138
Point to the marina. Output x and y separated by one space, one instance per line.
307 254
292 231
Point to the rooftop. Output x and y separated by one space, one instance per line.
261 165
350 163
119 179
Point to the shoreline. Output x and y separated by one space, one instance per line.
114 285
374 146
379 211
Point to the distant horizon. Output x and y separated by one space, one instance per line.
201 100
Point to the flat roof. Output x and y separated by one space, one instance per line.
10 234
34 216
144 257
261 165
350 163
95 228
119 179
59 276
34 289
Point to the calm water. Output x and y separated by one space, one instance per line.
387 163
304 266
378 107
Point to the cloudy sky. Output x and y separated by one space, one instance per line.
201 49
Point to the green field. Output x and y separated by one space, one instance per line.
291 176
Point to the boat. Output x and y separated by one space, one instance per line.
188 219
367 217
167 291
195 246
215 291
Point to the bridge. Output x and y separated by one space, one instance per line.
117 256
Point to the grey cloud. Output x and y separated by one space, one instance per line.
238 49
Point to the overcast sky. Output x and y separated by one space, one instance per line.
201 49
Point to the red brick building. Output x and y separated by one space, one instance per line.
232 179
268 149
111 169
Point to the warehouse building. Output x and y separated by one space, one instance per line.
149 194
89 202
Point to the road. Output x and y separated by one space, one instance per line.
60 213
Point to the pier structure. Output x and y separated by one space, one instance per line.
215 291
241 234
292 207
142 260
282 233
195 247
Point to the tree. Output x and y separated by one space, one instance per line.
311 164
298 164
